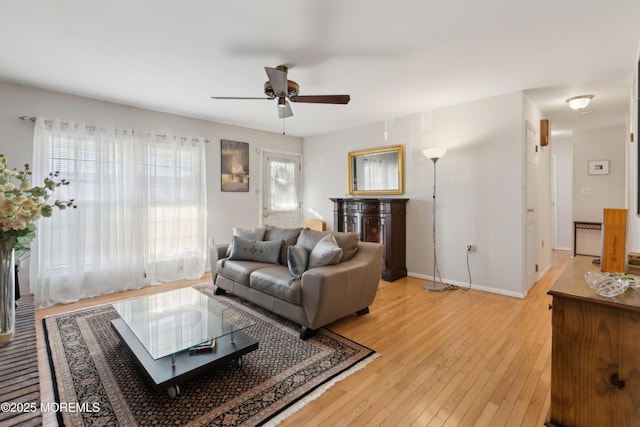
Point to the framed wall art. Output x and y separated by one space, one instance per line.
234 166
598 167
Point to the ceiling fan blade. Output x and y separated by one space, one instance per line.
237 97
278 79
322 99
284 111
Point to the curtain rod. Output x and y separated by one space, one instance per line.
33 119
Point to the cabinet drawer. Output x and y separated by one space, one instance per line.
365 208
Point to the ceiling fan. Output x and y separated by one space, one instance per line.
280 88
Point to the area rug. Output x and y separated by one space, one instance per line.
97 383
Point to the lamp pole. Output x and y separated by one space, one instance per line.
434 154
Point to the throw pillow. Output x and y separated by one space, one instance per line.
349 244
289 235
308 239
250 250
325 252
298 260
256 234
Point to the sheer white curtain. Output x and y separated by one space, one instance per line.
380 174
374 174
131 191
175 206
283 185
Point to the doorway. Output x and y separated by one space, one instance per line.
531 201
281 189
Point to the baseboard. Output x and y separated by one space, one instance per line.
477 287
543 272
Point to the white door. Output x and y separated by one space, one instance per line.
531 190
281 198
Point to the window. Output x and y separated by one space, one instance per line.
141 214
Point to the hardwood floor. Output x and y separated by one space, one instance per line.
452 358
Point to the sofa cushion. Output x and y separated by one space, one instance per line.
256 234
238 271
309 238
251 250
297 261
326 252
276 281
288 235
349 244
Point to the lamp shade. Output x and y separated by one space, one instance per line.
579 102
434 153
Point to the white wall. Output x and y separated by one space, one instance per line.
480 186
607 191
225 210
562 151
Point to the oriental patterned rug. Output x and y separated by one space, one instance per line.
97 383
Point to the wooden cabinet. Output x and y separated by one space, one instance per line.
377 220
595 357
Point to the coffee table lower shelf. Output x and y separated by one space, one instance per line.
162 376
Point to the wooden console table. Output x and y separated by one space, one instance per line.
595 355
581 225
377 220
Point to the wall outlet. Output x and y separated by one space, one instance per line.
586 190
470 248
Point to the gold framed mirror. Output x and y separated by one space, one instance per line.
377 171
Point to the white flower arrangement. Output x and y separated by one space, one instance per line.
22 204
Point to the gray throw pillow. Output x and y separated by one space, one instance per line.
326 252
256 234
308 239
297 259
349 244
250 250
289 235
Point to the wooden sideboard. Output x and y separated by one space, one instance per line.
377 220
595 356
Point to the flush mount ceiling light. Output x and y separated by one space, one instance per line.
579 102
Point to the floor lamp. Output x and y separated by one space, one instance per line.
434 154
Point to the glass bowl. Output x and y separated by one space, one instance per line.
608 284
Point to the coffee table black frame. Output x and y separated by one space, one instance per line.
160 372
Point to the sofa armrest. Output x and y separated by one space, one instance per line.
332 292
216 252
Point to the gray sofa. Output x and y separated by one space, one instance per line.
310 277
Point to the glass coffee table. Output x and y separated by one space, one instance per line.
170 335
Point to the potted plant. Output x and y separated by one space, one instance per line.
21 205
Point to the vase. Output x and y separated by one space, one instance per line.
7 294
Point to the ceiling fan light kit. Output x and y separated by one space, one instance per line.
281 88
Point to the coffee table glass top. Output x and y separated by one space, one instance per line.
170 322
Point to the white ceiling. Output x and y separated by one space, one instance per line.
393 58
